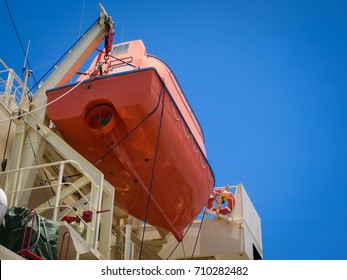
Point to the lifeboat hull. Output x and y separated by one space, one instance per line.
129 126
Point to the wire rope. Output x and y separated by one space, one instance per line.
49 103
4 161
18 36
152 176
131 131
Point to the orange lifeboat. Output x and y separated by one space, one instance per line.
136 126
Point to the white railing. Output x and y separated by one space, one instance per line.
11 86
69 192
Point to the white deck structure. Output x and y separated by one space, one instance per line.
42 172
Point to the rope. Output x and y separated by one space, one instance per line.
4 161
48 243
19 39
36 83
67 52
87 76
196 240
179 89
147 207
40 171
37 219
82 15
47 63
152 177
178 243
189 133
202 221
174 113
53 101
131 131
198 235
184 251
201 163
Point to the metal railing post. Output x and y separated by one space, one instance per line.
127 244
9 85
57 199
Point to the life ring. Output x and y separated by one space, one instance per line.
225 210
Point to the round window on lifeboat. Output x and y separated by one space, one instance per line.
101 119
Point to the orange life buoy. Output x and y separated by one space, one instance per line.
225 210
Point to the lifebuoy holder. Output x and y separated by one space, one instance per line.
222 210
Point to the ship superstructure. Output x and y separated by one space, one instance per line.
117 169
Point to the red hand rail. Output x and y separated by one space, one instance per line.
66 233
25 252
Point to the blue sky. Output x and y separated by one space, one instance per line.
268 82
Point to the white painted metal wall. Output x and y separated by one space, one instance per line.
222 237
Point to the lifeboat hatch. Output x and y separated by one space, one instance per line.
101 120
